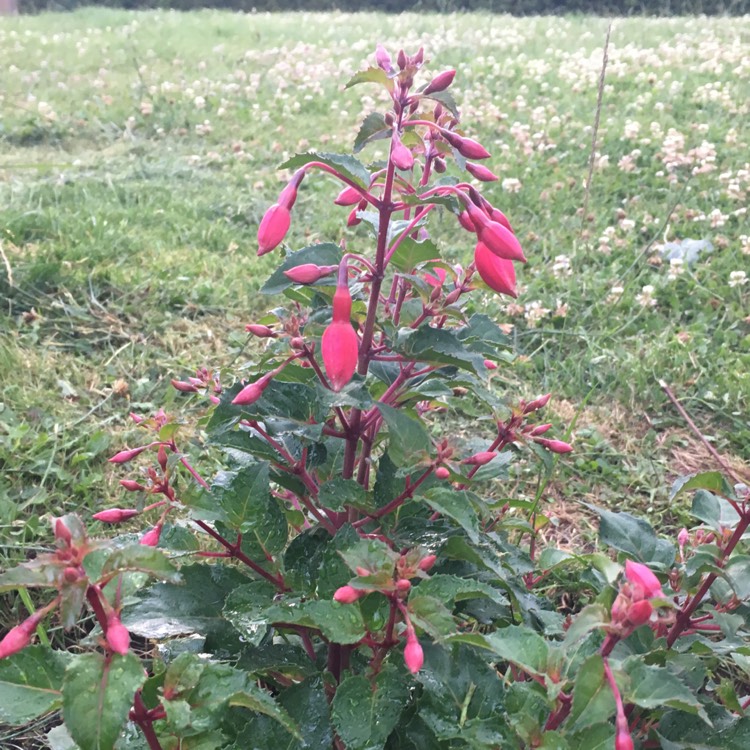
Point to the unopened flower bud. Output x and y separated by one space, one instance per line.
481 173
383 59
288 195
465 221
118 637
540 429
115 515
161 457
427 562
481 458
683 537
639 613
537 403
442 472
19 637
439 165
124 456
339 348
364 572
642 576
183 387
353 219
401 59
62 532
403 585
556 446
71 575
348 594
252 392
151 537
623 741
413 654
308 273
401 156
490 365
500 240
273 228
348 197
261 331
440 82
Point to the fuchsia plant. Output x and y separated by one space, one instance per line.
352 577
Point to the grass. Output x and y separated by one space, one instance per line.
139 151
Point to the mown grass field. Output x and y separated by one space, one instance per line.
139 150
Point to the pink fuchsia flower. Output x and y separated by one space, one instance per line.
641 576
623 741
498 273
480 172
273 228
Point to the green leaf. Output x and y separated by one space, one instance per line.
411 253
408 440
249 507
322 254
520 646
713 481
340 623
656 687
338 493
458 505
371 75
598 737
714 511
591 617
447 100
31 683
136 557
245 608
342 163
373 128
592 696
29 575
679 731
431 615
634 536
97 695
450 589
255 699
365 715
166 611
438 346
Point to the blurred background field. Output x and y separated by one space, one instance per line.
138 151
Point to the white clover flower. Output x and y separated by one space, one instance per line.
199 102
561 266
511 184
534 312
737 278
646 297
676 267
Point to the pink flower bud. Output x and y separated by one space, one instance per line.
214 399
118 638
639 613
537 403
62 532
683 537
364 572
16 640
251 392
124 456
352 220
348 197
383 59
439 164
623 741
641 575
427 562
540 429
498 273
440 82
466 222
467 147
500 240
490 365
403 585
261 331
308 273
497 215
401 156
183 387
273 228
442 473
401 59
480 459
151 537
137 418
115 515
556 446
481 173
348 595
413 654
339 348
